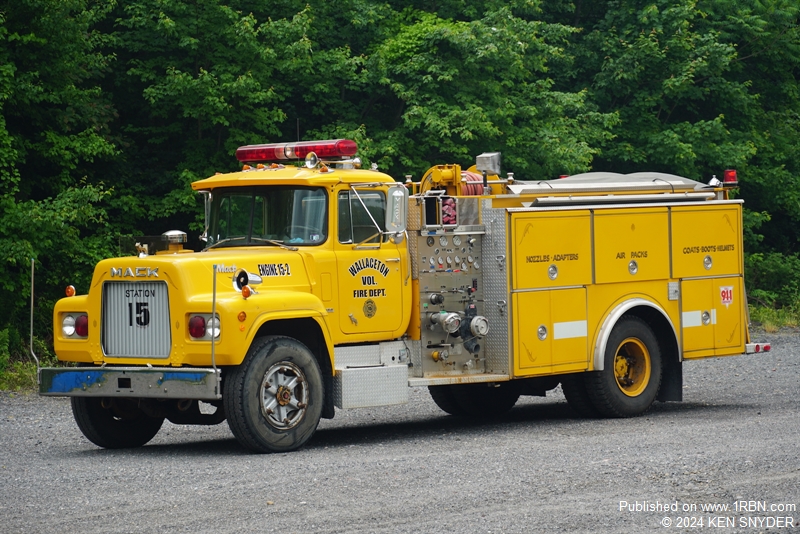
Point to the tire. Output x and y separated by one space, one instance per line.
483 401
274 399
577 394
444 399
114 423
629 382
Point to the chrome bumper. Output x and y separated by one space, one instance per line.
149 382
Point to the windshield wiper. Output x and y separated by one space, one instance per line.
274 242
221 241
259 239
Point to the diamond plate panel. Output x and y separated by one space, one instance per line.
495 284
413 251
370 386
360 356
415 347
390 353
415 207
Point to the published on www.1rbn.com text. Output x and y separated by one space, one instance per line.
741 514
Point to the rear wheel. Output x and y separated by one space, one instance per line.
114 423
574 388
629 382
444 399
273 400
476 400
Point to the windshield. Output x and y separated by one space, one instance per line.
260 215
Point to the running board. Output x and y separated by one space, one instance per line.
457 379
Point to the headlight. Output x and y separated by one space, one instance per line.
68 326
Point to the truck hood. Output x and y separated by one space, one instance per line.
275 266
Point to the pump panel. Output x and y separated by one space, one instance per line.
450 297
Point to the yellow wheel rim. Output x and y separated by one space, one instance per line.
632 367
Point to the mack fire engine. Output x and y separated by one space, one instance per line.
323 285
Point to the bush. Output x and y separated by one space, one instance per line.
4 353
775 277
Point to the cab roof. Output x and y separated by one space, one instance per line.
290 175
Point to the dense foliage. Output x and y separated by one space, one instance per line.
109 109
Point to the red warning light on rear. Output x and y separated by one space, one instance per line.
729 177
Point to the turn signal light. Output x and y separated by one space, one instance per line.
70 291
197 327
82 325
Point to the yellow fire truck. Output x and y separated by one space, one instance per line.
323 285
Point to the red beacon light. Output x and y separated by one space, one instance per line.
332 148
729 178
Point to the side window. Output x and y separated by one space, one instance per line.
355 222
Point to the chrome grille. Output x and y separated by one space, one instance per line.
136 320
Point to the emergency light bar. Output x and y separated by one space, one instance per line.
274 152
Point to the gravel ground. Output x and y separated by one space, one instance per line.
412 468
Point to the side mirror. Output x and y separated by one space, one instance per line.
396 210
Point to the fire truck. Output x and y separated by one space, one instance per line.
323 285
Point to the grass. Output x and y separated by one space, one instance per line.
18 376
772 320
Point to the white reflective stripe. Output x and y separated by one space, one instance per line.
695 318
692 318
570 329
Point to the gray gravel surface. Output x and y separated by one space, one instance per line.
412 468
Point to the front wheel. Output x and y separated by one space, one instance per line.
274 399
114 423
629 383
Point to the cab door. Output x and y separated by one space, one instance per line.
369 266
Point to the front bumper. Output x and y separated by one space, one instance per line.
142 382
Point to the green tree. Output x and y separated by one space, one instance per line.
54 136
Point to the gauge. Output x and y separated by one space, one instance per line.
441 261
436 251
463 250
443 241
470 259
457 259
430 241
464 266
433 260
476 264
457 240
449 260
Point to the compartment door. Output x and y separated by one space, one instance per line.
712 317
697 315
550 332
